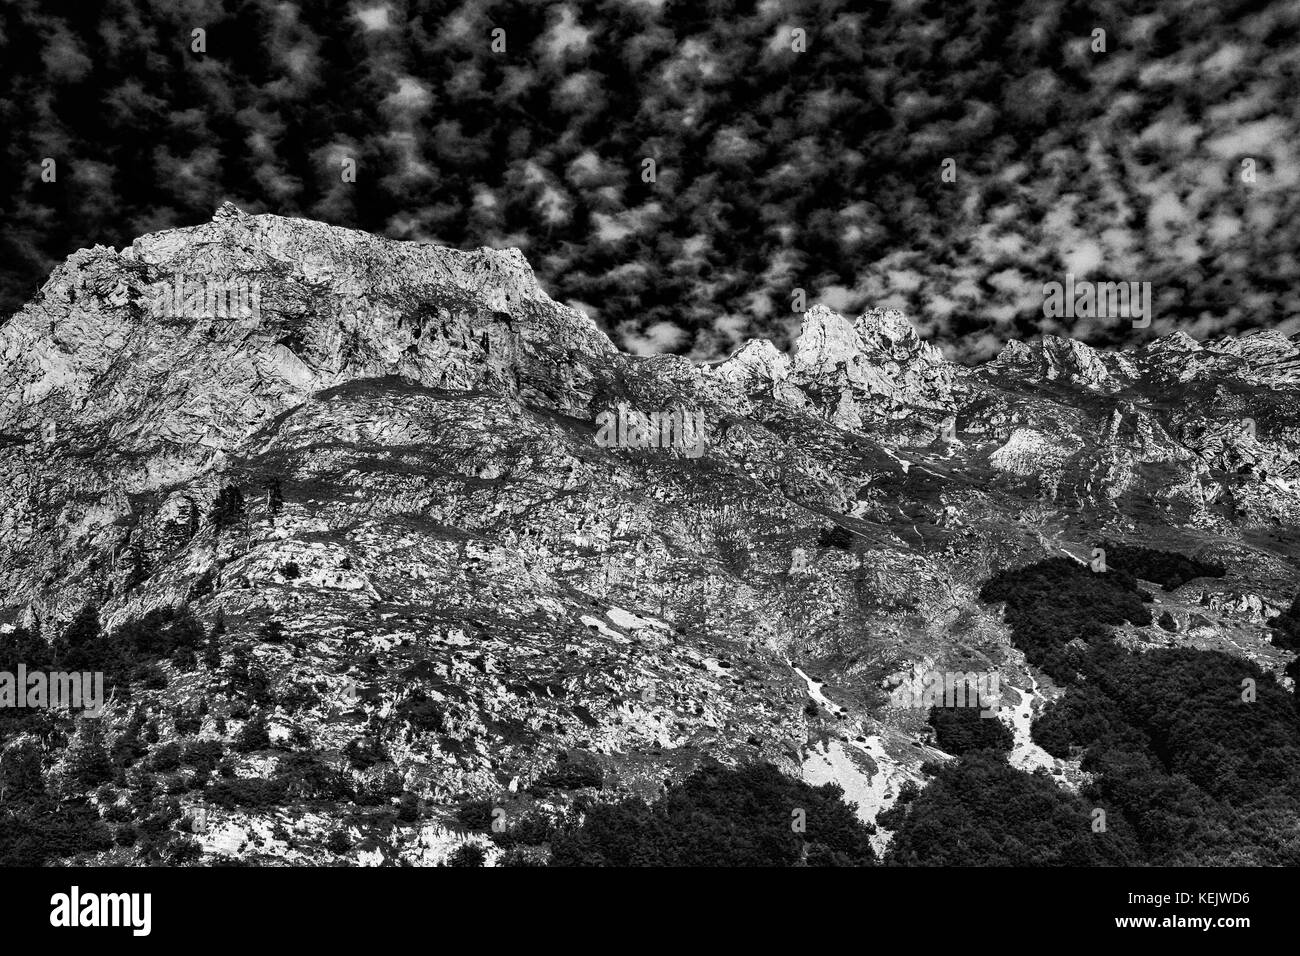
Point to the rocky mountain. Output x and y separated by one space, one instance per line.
374 472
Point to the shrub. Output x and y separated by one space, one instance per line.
1286 627
572 771
254 735
475 814
187 723
522 856
307 777
203 755
182 850
421 712
117 813
836 536
468 854
227 509
246 792
150 676
88 760
720 817
364 753
408 810
128 748
166 757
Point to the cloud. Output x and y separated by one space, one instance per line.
374 18
816 170
1083 259
566 39
410 98
658 338
1260 138
64 58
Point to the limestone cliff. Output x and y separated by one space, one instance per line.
430 521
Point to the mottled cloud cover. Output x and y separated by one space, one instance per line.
775 169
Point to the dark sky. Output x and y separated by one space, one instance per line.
776 169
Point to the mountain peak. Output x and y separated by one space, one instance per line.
228 211
244 314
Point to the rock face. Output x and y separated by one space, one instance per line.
472 583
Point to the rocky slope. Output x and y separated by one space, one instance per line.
473 587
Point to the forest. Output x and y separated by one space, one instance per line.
1194 755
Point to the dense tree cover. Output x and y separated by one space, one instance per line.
1293 671
1195 755
162 633
1057 602
29 648
51 763
36 826
961 730
720 817
78 647
1195 758
1167 568
1198 771
979 811
1188 707
128 656
170 632
47 775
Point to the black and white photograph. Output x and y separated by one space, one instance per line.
647 435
